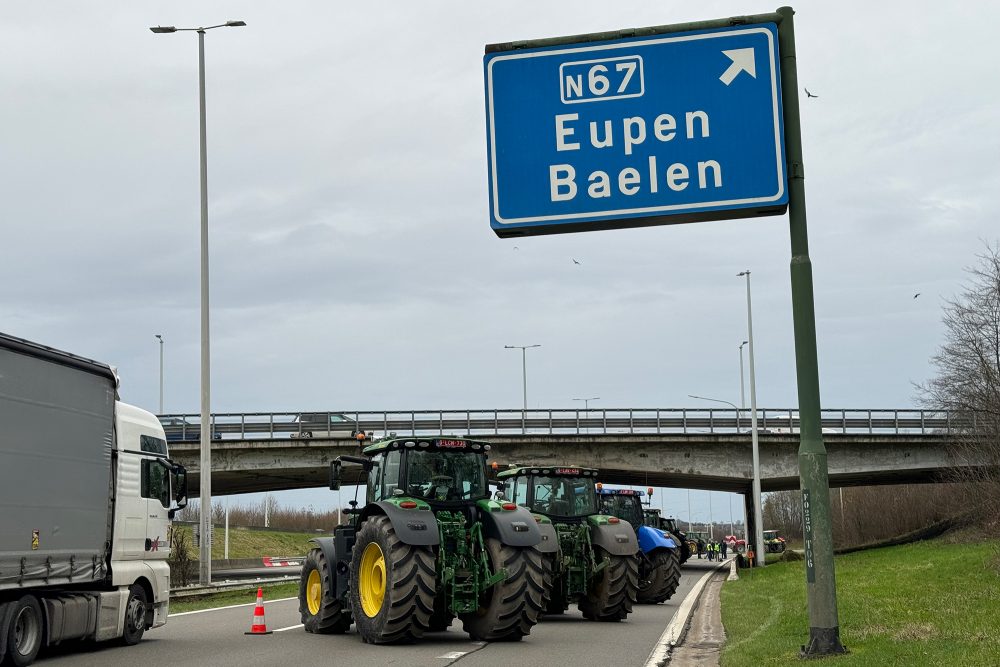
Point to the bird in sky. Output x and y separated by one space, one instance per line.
808 94
575 262
917 294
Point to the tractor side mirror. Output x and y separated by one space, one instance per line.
334 475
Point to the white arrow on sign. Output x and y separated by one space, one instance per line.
743 60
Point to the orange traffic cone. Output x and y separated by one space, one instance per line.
259 626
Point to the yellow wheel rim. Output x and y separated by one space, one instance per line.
314 592
371 576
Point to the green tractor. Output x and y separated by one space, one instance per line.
429 545
652 517
774 543
595 562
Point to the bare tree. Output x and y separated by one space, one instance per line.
968 384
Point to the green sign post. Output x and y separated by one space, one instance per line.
821 581
527 197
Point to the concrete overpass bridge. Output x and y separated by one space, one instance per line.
681 448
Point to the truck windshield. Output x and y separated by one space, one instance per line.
446 475
564 496
623 507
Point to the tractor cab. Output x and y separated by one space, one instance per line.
438 471
625 504
566 495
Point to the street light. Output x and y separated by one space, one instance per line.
757 511
743 398
205 462
586 401
524 368
160 338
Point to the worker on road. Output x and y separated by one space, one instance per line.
724 546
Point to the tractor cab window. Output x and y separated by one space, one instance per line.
520 492
390 473
445 475
628 508
563 496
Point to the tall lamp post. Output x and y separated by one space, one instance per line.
743 398
205 462
524 368
758 518
160 338
757 511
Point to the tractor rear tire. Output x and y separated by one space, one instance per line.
322 613
612 593
510 608
393 598
685 550
667 576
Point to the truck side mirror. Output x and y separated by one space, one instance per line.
179 484
334 475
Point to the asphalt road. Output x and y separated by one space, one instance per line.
215 637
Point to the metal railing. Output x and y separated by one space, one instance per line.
683 421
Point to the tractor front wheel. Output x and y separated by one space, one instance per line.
611 594
508 609
322 613
392 585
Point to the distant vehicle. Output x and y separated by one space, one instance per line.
88 493
773 542
178 429
324 425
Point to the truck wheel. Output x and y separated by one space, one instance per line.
322 613
508 610
611 594
24 631
135 616
392 585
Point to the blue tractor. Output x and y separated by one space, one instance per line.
659 553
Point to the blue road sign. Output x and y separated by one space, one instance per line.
676 127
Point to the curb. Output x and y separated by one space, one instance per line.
675 630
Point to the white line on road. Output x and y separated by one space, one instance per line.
232 606
291 627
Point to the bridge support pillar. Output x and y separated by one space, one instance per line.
751 524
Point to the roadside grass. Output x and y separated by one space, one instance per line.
245 543
927 603
227 598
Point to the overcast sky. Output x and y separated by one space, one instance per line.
352 262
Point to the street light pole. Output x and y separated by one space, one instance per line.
743 398
160 338
586 402
524 368
757 510
205 460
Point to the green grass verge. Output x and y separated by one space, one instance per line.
928 603
245 543
228 598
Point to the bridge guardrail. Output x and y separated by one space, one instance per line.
558 421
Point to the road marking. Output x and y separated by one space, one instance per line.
232 606
454 655
675 629
291 627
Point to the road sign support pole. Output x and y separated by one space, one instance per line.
821 584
